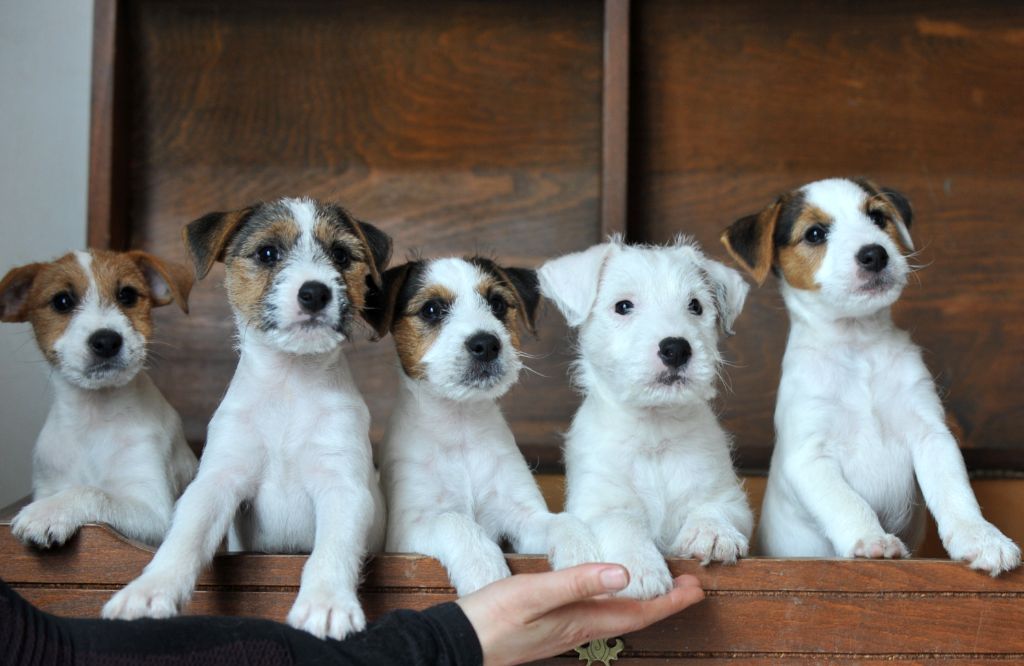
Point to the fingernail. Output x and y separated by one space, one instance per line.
614 578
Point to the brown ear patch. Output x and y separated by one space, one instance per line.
797 260
48 325
414 336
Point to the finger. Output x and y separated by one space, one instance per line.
618 616
545 592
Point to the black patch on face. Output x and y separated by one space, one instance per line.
523 281
377 243
792 205
898 201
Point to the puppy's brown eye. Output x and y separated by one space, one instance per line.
63 302
268 255
815 235
341 256
498 305
695 307
432 311
878 217
624 307
127 296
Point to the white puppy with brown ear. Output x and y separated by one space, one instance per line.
455 481
288 452
112 449
648 467
860 431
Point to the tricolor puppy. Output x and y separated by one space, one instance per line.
111 450
288 450
859 427
456 483
648 467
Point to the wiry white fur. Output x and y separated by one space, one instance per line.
289 444
858 419
456 482
112 449
648 467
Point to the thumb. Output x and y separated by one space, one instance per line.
558 588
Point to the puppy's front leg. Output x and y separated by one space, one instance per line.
327 605
624 538
847 520
200 521
52 520
941 473
472 559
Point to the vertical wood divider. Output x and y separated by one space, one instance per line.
107 222
615 117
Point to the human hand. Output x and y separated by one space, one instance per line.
532 616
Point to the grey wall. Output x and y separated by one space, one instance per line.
45 64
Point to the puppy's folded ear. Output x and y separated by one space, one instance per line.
168 281
382 300
14 290
902 206
524 283
208 237
749 241
378 248
571 281
730 291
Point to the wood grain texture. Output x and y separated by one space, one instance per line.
472 127
918 609
734 103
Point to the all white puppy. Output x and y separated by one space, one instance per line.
111 450
289 443
648 467
456 483
857 418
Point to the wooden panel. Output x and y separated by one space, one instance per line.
471 127
760 608
735 102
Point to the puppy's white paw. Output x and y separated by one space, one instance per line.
572 543
710 541
982 546
877 546
478 572
648 577
327 614
149 595
45 523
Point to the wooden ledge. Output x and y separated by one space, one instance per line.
917 610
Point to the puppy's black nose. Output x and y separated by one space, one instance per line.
314 296
873 258
105 343
483 347
674 352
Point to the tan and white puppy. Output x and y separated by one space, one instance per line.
288 452
455 481
860 430
648 467
112 449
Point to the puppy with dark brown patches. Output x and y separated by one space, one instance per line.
860 430
290 440
112 449
455 481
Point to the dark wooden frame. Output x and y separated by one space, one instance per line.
796 611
